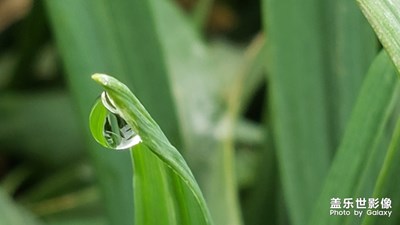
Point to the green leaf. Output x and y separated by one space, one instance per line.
350 47
116 37
164 188
361 138
96 123
263 200
387 179
384 17
297 100
197 87
10 213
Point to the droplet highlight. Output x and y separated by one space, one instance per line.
107 102
109 128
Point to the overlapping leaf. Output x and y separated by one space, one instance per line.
163 183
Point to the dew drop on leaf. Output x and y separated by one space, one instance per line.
108 103
109 128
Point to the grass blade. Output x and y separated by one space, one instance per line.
192 70
368 119
384 17
261 205
387 179
162 172
12 214
158 190
352 46
98 36
297 97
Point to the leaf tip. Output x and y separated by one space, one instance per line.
101 78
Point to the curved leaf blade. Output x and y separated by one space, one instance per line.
97 35
160 170
10 213
297 100
361 138
384 17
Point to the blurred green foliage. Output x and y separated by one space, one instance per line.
269 102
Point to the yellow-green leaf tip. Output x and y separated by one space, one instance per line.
101 78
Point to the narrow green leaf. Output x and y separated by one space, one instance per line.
160 191
248 77
117 37
10 213
262 201
298 103
160 171
371 167
351 45
197 89
98 115
387 179
368 120
384 17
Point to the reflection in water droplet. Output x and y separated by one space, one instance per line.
107 102
116 132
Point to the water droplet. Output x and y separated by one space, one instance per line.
109 128
108 103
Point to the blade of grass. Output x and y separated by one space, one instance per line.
160 191
105 42
351 45
249 76
261 204
368 118
297 100
163 182
374 162
387 177
384 17
98 35
10 213
193 71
